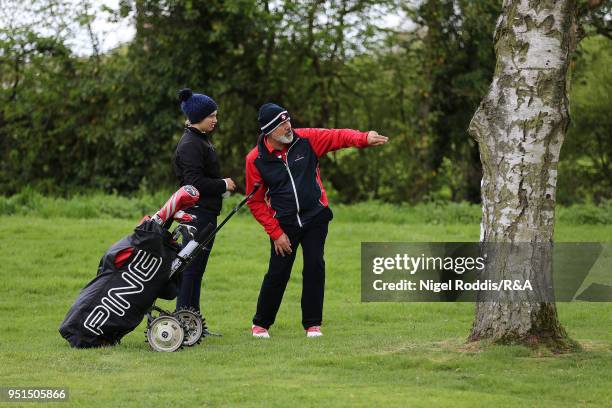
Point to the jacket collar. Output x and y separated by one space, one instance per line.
197 132
265 150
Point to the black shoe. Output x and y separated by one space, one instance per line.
206 333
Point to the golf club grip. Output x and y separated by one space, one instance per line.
206 235
248 197
240 205
256 187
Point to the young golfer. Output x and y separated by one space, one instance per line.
196 163
292 207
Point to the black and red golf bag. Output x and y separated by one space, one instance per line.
132 274
137 270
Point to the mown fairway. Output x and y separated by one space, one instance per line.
381 354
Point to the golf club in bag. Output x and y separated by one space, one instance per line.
133 273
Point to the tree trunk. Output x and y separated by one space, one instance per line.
520 126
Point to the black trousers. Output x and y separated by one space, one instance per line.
311 237
191 281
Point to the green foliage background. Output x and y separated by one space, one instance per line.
110 121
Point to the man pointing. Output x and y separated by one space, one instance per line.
292 207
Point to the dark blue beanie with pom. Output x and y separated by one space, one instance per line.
196 106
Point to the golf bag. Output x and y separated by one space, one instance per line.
132 274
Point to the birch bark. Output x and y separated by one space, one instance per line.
520 126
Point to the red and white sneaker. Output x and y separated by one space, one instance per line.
314 331
260 332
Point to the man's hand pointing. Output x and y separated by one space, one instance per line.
374 139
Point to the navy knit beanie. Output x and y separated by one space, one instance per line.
271 116
196 106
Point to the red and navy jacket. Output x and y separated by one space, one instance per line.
291 190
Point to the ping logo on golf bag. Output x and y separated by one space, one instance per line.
142 269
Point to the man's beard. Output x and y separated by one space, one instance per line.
286 139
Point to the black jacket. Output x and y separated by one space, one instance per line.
293 186
195 162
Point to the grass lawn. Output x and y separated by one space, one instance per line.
372 354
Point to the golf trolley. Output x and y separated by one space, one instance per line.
136 271
170 331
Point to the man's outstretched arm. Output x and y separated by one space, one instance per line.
327 140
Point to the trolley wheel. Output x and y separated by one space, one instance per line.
193 323
166 334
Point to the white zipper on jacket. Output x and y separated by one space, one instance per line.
297 202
